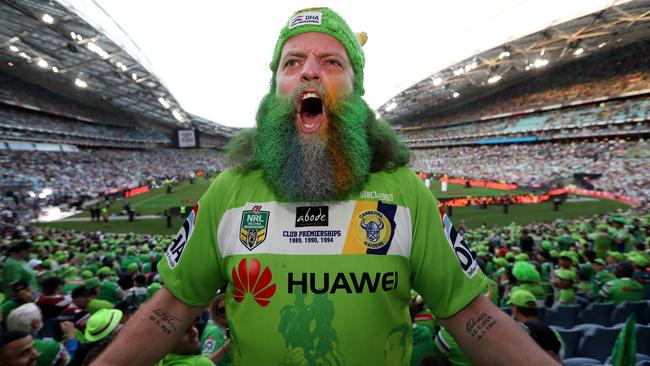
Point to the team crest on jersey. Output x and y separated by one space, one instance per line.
254 224
373 228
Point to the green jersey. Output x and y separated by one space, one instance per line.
622 289
172 359
14 270
306 277
422 343
566 296
212 339
49 352
110 291
446 344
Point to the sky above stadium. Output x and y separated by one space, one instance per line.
213 56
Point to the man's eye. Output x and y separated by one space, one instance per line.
291 63
332 62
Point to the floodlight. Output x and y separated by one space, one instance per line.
13 48
164 102
494 79
55 69
42 63
390 106
578 52
437 81
47 18
80 83
540 62
456 95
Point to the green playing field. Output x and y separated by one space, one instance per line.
156 201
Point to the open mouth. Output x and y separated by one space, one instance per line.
311 115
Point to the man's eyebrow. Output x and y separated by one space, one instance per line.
301 54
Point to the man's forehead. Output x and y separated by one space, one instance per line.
317 42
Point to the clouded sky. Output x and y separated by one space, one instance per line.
213 55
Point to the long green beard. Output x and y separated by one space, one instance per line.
315 167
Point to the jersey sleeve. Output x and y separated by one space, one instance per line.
443 269
191 266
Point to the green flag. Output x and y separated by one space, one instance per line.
624 352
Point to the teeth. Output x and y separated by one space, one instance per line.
310 95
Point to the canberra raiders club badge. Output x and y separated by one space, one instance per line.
253 227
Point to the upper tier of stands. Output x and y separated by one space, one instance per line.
21 124
29 112
620 115
574 95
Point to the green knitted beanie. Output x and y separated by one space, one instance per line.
323 20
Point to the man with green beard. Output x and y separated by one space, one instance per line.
320 232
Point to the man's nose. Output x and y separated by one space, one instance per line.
310 69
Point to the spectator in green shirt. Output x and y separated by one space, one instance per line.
15 268
623 288
564 283
185 353
22 294
215 341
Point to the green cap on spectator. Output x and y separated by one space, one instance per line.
86 274
522 257
92 282
132 268
524 271
565 274
600 261
547 245
153 288
616 255
523 299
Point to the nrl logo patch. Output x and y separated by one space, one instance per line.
254 224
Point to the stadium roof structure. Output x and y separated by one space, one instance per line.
514 61
58 47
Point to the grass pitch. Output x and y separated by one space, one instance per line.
156 201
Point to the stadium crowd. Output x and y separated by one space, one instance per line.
90 172
72 291
622 164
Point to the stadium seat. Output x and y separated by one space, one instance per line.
597 313
507 310
571 338
581 361
624 309
564 316
598 341
640 357
643 363
541 314
643 339
645 317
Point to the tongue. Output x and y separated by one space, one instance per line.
310 123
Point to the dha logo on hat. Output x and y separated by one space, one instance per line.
305 18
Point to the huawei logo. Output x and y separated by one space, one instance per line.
248 280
